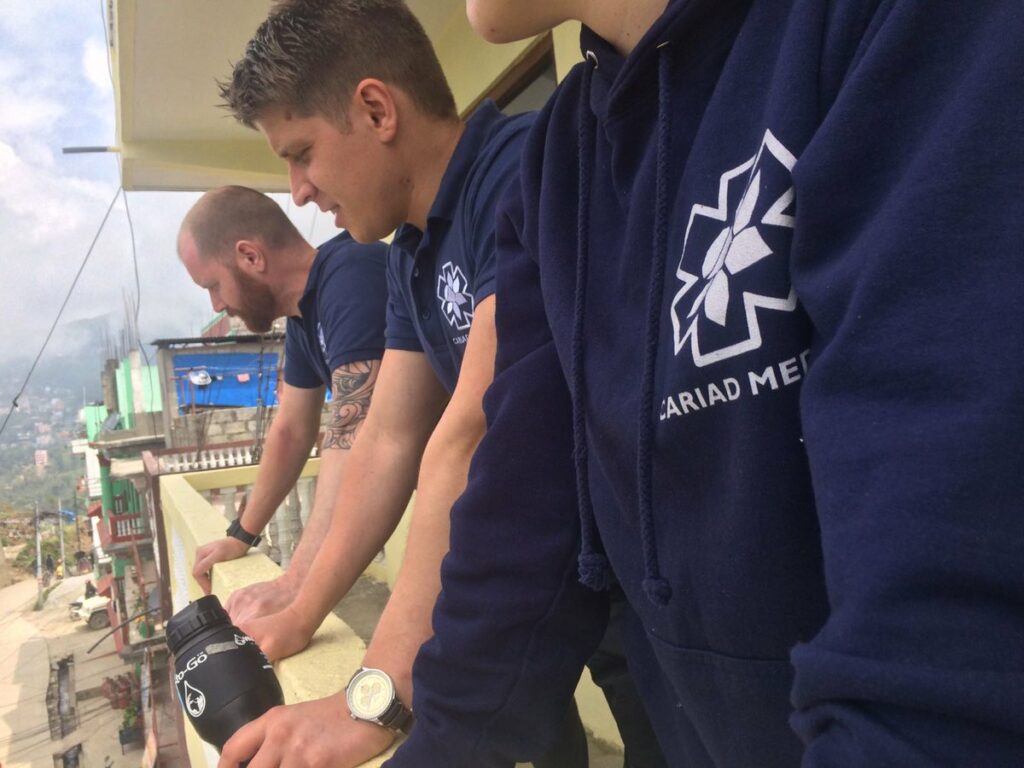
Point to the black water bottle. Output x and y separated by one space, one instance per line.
222 677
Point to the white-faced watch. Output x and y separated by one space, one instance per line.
371 697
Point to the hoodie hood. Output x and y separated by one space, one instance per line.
622 83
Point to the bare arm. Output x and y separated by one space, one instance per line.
285 451
352 387
405 624
369 500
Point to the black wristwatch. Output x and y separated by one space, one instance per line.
371 697
237 531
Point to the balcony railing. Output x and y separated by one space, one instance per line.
190 520
117 530
125 528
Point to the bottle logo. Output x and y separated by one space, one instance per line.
195 700
190 665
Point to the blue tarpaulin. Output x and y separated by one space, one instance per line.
226 380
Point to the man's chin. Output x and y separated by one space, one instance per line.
257 327
369 233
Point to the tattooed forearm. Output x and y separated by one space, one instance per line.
352 386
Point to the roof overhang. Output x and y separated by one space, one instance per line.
171 133
167 57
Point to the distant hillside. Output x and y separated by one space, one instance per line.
73 360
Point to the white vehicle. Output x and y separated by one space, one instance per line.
92 610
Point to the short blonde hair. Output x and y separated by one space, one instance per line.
309 55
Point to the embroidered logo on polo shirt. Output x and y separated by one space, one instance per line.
734 264
456 300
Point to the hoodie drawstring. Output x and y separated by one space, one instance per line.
594 568
655 586
593 563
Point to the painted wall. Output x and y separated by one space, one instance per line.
93 416
143 386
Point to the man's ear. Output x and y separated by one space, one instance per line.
249 257
373 102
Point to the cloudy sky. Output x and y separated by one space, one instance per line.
55 92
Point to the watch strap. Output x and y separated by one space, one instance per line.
398 717
235 530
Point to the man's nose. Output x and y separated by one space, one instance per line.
302 189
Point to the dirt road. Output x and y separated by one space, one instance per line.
29 641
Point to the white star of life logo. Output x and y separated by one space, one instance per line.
456 301
712 311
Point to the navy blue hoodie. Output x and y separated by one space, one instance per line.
777 365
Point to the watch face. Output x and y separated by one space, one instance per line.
370 694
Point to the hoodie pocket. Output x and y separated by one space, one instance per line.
738 708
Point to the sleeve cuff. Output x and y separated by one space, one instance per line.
354 356
484 290
405 344
299 383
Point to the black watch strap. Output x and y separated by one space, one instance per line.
397 718
237 531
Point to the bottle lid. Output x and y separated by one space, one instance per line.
194 617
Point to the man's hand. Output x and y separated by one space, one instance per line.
281 634
261 599
228 548
314 733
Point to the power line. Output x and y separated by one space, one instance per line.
67 298
138 306
148 405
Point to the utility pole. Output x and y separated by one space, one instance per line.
60 527
39 564
78 529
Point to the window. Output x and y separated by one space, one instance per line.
528 84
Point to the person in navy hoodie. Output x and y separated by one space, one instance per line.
353 97
760 355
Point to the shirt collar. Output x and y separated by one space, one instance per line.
474 135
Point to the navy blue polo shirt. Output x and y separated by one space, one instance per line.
436 278
342 312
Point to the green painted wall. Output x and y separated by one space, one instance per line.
151 399
106 489
94 416
122 377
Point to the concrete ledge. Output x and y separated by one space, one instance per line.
335 652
